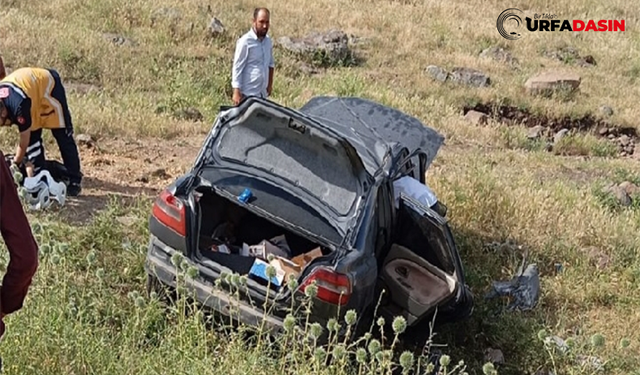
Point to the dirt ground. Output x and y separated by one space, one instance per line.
127 169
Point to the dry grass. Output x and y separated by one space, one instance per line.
495 188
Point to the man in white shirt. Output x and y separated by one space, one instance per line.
252 73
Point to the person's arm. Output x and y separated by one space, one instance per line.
239 63
3 72
19 240
23 116
271 69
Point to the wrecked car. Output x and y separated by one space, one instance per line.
310 192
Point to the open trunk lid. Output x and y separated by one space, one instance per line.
295 152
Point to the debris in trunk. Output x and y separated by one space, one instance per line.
524 288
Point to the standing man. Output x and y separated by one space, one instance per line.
253 64
22 246
35 99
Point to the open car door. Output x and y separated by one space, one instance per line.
422 270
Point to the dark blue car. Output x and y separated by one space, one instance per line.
314 188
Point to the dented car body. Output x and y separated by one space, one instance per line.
321 194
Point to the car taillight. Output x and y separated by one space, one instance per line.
334 288
170 211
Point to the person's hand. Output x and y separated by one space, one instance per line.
237 97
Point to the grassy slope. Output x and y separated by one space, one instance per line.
494 192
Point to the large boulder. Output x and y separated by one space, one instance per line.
549 82
324 49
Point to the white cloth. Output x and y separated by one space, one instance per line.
413 188
251 62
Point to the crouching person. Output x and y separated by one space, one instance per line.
35 99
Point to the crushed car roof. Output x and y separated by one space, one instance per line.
373 122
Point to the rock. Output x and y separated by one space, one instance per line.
498 54
119 40
329 48
189 113
469 77
559 135
629 187
166 13
603 131
587 61
596 257
550 81
535 132
636 153
620 194
215 27
570 55
606 110
84 139
494 356
624 140
476 117
160 173
437 73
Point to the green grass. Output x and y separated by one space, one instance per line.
87 313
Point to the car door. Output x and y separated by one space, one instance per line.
422 269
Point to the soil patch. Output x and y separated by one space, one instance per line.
624 137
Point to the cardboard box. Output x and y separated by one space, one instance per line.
259 271
264 248
287 267
303 259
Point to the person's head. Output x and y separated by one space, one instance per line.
261 17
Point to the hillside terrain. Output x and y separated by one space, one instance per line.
556 175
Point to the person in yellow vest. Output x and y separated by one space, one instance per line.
35 99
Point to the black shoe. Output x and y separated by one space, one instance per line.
74 189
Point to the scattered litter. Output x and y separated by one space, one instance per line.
558 342
494 356
524 287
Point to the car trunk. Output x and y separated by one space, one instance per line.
240 241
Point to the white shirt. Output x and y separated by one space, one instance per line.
251 62
413 188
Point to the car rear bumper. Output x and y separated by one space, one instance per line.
158 265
